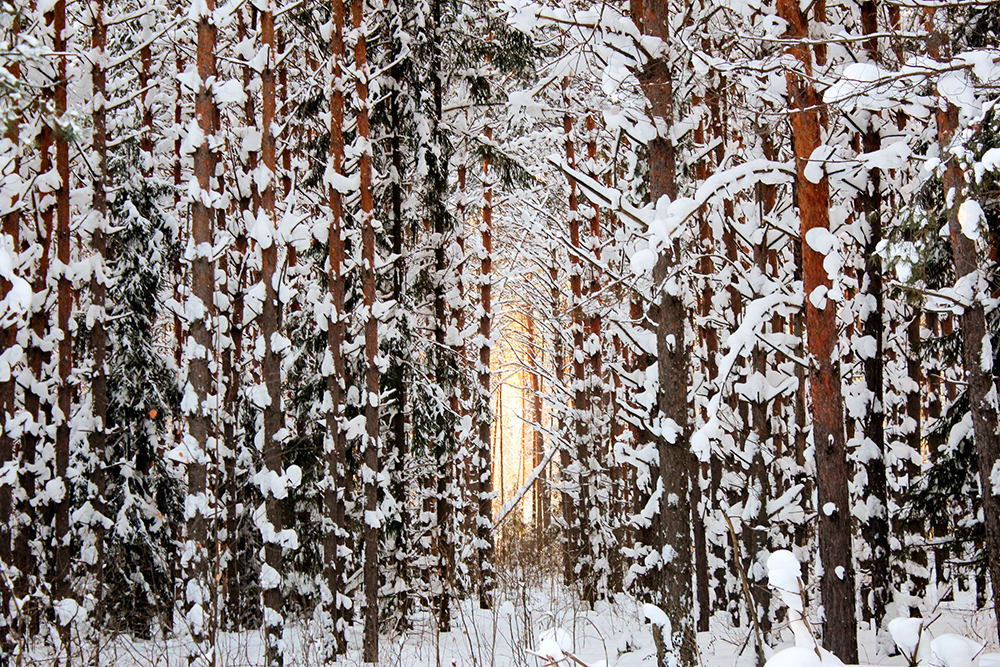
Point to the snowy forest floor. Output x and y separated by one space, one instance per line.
612 635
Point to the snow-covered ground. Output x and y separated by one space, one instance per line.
532 621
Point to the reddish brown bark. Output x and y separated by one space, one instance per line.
460 403
146 143
8 398
835 547
37 407
200 379
559 361
371 444
597 396
709 344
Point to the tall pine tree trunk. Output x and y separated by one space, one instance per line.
483 466
579 535
877 532
593 345
8 387
98 334
200 388
336 535
370 465
559 361
36 402
437 182
60 575
675 590
709 344
975 335
837 582
270 321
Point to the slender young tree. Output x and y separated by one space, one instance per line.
483 464
98 292
542 500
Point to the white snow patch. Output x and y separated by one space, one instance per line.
906 633
554 643
970 213
643 261
795 656
68 610
656 616
821 240
986 357
951 650
231 91
269 577
783 574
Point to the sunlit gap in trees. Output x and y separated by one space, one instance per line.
514 424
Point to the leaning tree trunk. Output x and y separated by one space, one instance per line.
837 582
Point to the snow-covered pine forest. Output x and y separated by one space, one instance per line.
432 332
